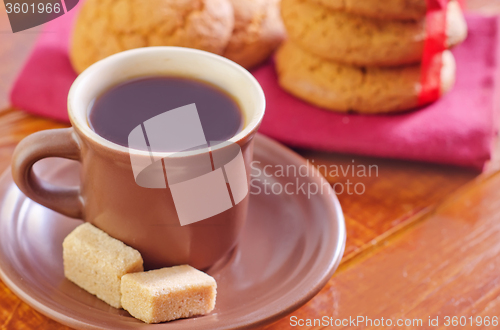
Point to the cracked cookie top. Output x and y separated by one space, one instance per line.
107 27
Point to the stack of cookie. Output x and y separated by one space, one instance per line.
245 31
361 56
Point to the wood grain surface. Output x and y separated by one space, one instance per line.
420 243
445 265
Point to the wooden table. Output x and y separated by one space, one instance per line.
423 240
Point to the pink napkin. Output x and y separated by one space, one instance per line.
458 129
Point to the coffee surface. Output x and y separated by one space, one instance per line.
116 112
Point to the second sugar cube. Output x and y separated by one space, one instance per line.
168 294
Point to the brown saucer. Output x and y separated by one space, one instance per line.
288 251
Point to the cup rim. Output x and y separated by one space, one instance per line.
90 73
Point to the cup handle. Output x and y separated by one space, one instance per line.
49 143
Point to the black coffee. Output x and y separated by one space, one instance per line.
123 107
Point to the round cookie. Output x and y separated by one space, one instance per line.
346 88
258 30
106 27
362 41
386 9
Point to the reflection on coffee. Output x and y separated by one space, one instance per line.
116 112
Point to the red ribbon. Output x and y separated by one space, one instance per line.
435 44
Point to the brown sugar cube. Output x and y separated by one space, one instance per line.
168 294
96 262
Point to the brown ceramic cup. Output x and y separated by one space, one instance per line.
109 196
